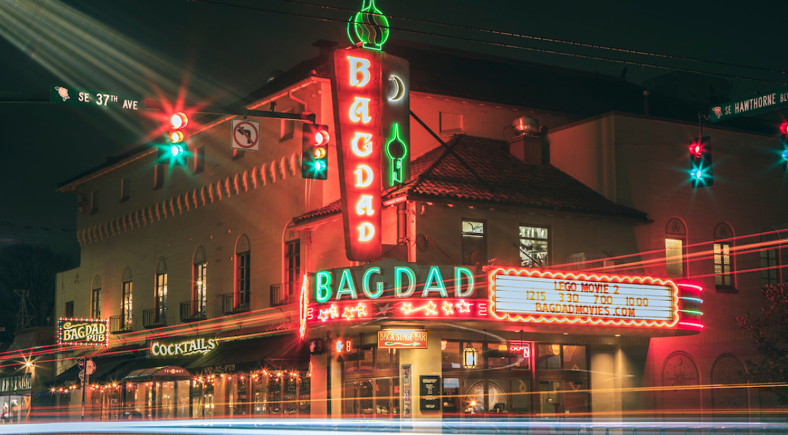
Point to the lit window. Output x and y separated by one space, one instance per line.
723 261
675 246
474 243
200 287
674 257
126 301
161 297
769 267
95 305
534 246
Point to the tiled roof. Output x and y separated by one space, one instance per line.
502 180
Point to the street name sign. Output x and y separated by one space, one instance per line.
773 100
92 98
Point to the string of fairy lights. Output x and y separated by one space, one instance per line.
521 47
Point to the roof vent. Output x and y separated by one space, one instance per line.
526 125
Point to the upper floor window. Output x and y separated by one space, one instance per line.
160 293
126 298
69 310
286 127
675 248
95 300
723 257
200 296
474 242
94 205
242 271
770 259
292 265
534 246
125 184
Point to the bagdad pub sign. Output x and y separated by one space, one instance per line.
372 109
82 332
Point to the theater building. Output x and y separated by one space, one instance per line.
539 250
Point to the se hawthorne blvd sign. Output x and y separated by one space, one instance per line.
749 106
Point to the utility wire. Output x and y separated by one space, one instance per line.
497 44
539 38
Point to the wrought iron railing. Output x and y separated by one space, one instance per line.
152 318
117 325
284 293
192 311
235 303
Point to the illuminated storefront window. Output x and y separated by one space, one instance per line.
534 246
474 242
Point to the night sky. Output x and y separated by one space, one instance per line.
219 53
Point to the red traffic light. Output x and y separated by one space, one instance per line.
321 137
696 149
784 128
179 120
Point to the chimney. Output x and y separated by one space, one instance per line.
529 144
326 47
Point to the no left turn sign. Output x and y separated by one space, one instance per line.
245 135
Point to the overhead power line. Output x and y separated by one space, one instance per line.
540 38
497 44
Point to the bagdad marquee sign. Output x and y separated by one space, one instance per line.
82 332
185 348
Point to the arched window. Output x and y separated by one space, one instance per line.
770 258
200 271
242 272
95 301
126 300
160 296
676 248
723 257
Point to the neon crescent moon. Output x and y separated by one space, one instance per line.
400 89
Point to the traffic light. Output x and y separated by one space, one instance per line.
174 152
700 163
314 151
784 142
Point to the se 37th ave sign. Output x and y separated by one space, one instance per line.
91 98
535 296
245 135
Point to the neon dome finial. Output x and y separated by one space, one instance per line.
368 27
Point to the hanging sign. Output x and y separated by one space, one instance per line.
372 109
529 295
82 332
402 339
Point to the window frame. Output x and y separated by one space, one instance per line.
200 288
463 235
722 238
292 274
243 278
549 241
126 303
775 270
95 303
162 283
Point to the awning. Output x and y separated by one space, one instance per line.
249 355
166 373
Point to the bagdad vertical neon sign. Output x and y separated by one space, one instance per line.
371 108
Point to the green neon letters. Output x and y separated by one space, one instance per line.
458 273
439 286
398 271
346 285
365 283
323 286
464 284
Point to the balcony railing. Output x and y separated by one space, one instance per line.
118 326
192 311
285 293
152 318
229 305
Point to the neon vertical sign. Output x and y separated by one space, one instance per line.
357 108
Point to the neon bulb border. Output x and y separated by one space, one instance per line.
578 319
